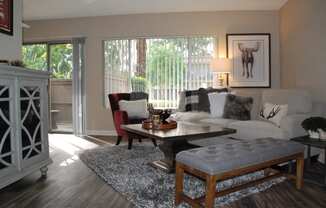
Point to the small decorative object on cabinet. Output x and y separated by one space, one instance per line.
24 144
315 126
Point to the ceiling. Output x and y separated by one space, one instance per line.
55 9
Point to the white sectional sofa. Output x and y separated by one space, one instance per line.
300 107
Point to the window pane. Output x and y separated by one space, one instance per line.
166 70
118 66
61 61
35 56
162 67
201 51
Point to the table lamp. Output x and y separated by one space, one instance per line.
221 66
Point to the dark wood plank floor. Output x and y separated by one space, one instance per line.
71 184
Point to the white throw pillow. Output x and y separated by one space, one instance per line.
134 108
274 113
217 103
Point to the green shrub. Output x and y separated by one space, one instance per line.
138 84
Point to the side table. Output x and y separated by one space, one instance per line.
309 142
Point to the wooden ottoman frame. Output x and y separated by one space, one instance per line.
211 180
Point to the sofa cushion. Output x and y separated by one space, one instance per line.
224 122
255 129
299 101
194 116
291 124
237 107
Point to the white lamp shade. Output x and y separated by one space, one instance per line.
221 65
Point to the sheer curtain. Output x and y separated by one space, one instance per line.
161 67
79 98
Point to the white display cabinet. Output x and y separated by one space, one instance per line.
24 146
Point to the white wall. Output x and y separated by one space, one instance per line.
303 45
10 46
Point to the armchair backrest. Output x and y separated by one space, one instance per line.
116 97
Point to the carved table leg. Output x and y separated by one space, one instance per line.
170 149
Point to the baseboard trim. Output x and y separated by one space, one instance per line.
101 132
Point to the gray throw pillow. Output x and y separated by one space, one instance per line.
238 107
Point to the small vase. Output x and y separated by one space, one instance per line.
322 134
314 134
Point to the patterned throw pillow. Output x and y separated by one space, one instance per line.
192 100
197 100
274 113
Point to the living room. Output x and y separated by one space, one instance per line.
283 37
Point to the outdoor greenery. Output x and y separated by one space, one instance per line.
35 56
61 63
166 59
116 55
138 84
202 46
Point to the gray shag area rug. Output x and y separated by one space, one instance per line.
128 172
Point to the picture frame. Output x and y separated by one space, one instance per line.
6 17
251 60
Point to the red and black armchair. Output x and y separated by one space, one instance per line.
121 117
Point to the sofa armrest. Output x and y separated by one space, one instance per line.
120 118
319 109
291 125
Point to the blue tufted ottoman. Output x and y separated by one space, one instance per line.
224 161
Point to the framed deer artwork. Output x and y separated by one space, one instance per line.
251 60
6 17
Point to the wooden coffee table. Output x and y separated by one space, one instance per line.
176 140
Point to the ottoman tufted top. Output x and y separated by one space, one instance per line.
222 158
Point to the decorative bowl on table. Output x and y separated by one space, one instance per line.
162 126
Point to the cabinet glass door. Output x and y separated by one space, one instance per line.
7 151
31 121
33 132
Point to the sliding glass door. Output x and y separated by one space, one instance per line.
61 90
65 62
